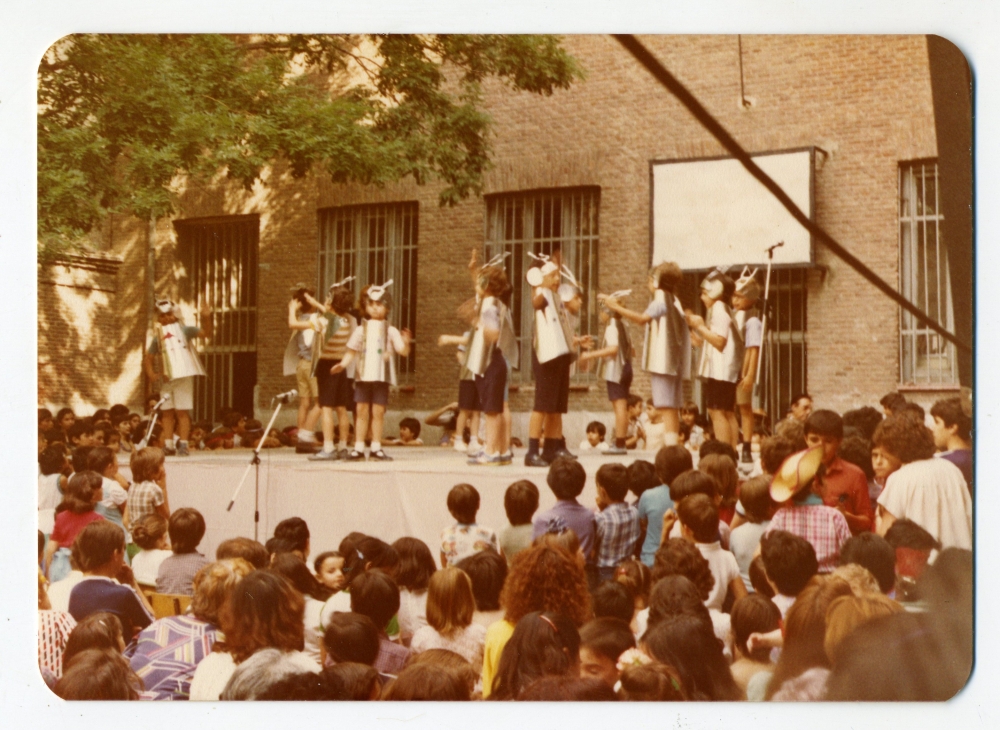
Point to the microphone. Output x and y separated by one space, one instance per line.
284 398
163 400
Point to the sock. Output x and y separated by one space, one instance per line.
359 446
306 436
342 445
532 447
474 444
327 447
619 443
376 446
169 443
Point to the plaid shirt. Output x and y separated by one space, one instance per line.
391 657
617 528
143 499
822 527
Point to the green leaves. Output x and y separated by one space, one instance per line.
120 116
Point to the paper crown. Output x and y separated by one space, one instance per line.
496 260
747 285
537 273
796 473
620 294
165 306
375 293
712 284
342 282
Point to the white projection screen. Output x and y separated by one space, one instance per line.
712 212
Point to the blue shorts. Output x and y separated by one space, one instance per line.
492 385
376 393
552 384
620 391
468 396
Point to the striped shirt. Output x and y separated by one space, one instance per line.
167 653
335 345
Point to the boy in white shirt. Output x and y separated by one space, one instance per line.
699 520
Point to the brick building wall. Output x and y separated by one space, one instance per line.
864 101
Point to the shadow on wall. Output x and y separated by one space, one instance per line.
87 357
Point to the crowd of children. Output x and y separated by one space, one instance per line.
843 571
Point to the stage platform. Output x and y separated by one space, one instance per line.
406 496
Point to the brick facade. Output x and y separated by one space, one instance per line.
865 101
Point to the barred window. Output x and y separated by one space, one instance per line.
374 243
925 357
541 222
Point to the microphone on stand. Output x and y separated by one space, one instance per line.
162 400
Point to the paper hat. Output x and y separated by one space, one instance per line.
375 293
536 274
165 306
796 473
747 285
496 260
342 282
620 294
712 284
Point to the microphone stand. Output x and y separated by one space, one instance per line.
255 463
763 324
152 422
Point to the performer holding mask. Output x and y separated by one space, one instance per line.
748 323
666 352
372 347
179 365
299 362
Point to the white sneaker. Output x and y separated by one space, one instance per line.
460 446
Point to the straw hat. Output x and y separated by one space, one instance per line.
796 473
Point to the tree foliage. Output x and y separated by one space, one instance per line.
120 116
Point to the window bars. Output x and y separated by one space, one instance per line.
541 222
925 357
375 243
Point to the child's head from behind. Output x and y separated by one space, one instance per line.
699 518
667 276
52 460
150 532
789 560
612 481
613 600
691 482
773 452
351 637
186 528
671 462
83 491
520 502
635 576
596 432
566 478
450 602
723 469
487 570
602 641
463 503
641 476
341 300
754 614
101 630
375 595
755 496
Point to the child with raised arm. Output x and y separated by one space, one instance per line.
616 368
748 323
721 354
336 324
180 366
299 362
373 345
667 349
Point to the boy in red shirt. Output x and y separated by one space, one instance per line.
842 484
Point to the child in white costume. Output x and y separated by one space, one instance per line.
667 349
721 356
615 368
372 346
179 365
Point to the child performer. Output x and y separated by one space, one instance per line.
373 345
667 350
616 368
744 300
299 362
334 325
492 348
553 356
180 365
721 356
